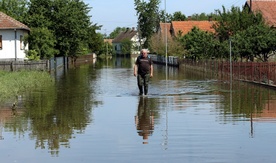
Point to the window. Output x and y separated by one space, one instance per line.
21 43
1 44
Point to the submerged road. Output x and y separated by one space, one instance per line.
96 115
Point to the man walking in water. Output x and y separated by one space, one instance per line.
144 66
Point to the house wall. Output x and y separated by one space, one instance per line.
117 48
11 45
136 44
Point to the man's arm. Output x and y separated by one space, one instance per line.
151 71
135 70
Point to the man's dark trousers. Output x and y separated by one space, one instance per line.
143 81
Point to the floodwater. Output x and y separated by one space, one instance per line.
94 114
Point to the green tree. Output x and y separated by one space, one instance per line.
15 8
164 17
148 18
256 41
199 44
95 40
178 16
230 22
69 22
42 41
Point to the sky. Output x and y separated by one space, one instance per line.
121 13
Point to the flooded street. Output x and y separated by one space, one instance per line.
95 115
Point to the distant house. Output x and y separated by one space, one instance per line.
11 38
129 34
266 7
180 28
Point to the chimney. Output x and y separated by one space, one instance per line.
133 28
127 29
189 18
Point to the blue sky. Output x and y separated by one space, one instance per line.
121 13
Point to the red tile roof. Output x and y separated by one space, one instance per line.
7 22
267 8
186 26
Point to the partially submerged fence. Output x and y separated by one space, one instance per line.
46 65
171 60
256 72
24 65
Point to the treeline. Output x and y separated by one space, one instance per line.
250 37
58 27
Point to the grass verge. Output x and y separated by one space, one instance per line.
13 84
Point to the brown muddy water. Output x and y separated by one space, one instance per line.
94 114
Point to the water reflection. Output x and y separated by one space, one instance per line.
57 114
85 115
144 119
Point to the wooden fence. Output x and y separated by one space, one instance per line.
256 72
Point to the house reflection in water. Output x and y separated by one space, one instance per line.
268 112
6 116
144 119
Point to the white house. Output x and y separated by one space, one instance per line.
11 38
129 34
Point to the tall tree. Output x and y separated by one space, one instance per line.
230 22
69 22
39 20
14 8
148 18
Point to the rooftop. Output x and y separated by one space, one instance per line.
7 22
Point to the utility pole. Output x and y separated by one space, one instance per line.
251 5
106 41
166 36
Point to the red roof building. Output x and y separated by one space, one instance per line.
266 7
183 27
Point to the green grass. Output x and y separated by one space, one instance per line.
13 84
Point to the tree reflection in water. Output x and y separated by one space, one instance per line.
58 114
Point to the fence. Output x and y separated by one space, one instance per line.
46 65
23 65
171 60
256 72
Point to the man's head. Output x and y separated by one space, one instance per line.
144 52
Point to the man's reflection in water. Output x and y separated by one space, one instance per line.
144 119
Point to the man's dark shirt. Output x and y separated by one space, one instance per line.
143 64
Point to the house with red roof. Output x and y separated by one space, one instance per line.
180 28
266 7
12 32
